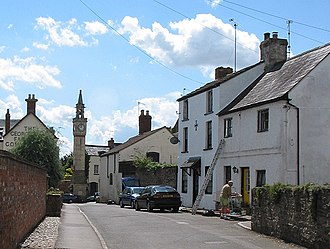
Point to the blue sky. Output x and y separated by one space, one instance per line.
135 54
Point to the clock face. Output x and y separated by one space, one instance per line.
81 127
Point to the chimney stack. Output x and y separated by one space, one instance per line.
31 104
111 143
273 50
144 122
221 72
7 122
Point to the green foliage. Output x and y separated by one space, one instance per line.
67 165
40 147
276 190
141 161
54 191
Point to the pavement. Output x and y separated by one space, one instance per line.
76 231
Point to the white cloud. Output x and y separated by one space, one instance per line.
95 28
13 104
2 48
40 46
162 109
27 70
10 26
58 116
25 49
204 41
213 3
61 34
69 33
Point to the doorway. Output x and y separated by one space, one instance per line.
245 185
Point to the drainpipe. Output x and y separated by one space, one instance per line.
298 143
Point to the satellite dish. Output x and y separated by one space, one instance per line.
174 140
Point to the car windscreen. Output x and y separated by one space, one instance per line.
164 189
137 190
131 182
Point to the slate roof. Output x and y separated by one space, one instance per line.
217 82
133 140
12 122
94 150
276 85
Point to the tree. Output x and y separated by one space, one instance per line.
40 147
67 166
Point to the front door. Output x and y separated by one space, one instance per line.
195 184
245 188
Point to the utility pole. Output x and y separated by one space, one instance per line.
235 27
289 22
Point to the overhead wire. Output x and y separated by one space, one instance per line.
213 30
261 20
276 16
138 48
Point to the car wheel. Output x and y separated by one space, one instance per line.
149 208
132 204
121 204
70 201
175 209
137 207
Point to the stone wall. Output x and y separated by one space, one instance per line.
164 176
23 189
299 215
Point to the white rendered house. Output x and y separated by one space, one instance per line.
118 161
270 117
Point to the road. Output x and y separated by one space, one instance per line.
125 228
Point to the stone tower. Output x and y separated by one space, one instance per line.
80 186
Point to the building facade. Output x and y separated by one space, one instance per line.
119 161
265 116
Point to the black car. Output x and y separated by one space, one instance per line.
71 198
158 197
128 196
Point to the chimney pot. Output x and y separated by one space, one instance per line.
275 35
266 36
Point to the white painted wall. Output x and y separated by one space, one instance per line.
157 142
312 96
222 96
29 122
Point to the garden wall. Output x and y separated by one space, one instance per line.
23 189
164 176
300 215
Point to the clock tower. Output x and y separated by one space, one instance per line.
80 186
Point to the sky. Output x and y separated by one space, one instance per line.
133 55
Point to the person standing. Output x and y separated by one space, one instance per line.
224 199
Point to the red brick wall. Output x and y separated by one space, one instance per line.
23 189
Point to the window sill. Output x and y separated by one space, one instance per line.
208 149
208 113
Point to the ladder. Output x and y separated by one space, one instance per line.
207 177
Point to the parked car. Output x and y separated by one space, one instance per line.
158 197
71 198
128 196
94 197
130 182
